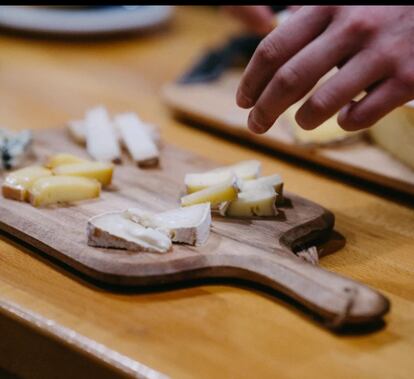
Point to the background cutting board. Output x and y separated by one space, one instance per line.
213 106
257 250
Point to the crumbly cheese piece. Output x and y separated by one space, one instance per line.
189 225
101 140
136 138
100 171
17 183
216 194
272 181
63 159
116 230
14 148
63 189
255 203
249 169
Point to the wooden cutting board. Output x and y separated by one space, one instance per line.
257 250
213 106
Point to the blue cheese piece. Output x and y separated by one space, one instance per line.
14 148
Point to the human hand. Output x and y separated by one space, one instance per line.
258 18
371 45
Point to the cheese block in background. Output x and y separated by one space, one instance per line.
395 134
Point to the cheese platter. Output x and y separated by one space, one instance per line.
274 250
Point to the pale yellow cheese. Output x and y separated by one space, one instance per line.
215 194
100 171
63 159
17 183
255 203
63 189
395 134
249 169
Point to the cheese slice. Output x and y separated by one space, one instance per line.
215 194
189 225
101 140
17 183
136 138
62 159
271 181
62 189
395 134
256 203
116 230
100 171
249 169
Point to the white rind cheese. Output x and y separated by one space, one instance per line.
189 225
101 140
115 230
137 140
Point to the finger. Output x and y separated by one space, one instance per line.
387 96
299 75
258 18
282 43
353 78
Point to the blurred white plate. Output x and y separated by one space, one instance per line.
83 20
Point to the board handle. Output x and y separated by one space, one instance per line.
338 300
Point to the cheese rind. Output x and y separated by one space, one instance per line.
271 181
189 225
63 189
100 171
245 170
17 183
116 230
137 140
219 193
63 159
101 140
257 203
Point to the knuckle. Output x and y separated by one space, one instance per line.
320 103
359 26
267 52
288 78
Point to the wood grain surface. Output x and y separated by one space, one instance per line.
212 104
257 250
214 329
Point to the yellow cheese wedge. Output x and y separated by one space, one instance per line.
249 169
257 203
100 171
215 194
17 183
62 159
63 189
265 182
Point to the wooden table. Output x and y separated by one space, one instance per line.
206 331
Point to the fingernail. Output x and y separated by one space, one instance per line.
243 101
254 126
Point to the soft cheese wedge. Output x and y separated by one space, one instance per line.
257 203
243 170
100 171
272 181
116 230
63 159
101 140
17 183
216 194
63 189
189 225
137 140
